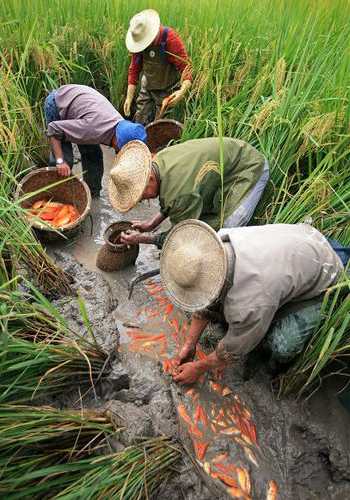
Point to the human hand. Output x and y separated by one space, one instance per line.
129 98
127 106
130 237
142 226
188 373
175 98
63 170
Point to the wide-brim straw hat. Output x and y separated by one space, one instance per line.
129 176
143 29
193 265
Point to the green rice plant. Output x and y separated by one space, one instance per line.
29 370
329 344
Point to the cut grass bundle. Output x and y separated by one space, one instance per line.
29 370
135 473
34 440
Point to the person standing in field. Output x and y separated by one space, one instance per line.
79 114
159 54
187 179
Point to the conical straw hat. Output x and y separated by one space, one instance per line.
129 176
193 265
143 29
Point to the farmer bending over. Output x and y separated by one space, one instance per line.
80 114
160 55
245 274
186 178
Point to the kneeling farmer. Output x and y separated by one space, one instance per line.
247 274
80 114
160 55
186 177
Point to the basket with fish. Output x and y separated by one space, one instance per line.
57 209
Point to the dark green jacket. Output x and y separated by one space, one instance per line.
190 180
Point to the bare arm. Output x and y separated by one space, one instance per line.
150 224
63 169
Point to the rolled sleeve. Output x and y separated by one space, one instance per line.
79 131
245 333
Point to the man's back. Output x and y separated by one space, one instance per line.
190 176
86 116
274 264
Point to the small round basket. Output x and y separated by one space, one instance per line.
73 191
161 132
114 255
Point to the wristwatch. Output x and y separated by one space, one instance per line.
59 161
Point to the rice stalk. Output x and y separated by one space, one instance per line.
28 370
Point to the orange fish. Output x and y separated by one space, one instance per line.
195 431
169 309
200 449
272 491
38 204
216 387
244 479
220 458
183 414
200 415
237 493
228 480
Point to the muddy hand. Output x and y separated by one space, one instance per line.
130 237
142 226
188 373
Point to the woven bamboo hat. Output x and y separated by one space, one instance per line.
129 175
193 265
143 29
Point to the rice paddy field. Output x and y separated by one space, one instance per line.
275 73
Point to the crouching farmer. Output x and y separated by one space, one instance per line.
186 179
246 275
79 114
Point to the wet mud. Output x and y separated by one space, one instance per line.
244 443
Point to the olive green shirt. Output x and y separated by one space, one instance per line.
190 180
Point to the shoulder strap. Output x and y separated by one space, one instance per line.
138 58
164 40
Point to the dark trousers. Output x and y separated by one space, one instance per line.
91 161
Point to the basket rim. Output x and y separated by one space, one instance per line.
166 120
108 232
45 227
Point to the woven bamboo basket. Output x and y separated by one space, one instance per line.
161 132
73 191
114 255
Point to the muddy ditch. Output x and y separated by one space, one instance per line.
300 448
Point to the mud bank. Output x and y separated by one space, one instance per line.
304 448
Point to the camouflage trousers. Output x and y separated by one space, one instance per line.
149 102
